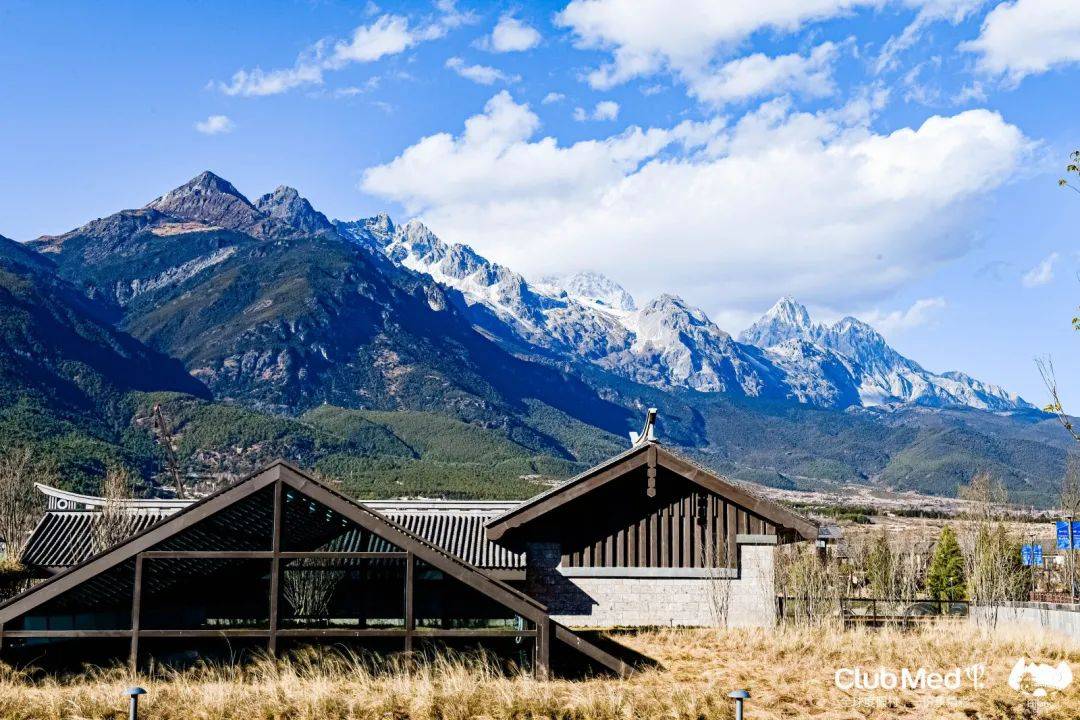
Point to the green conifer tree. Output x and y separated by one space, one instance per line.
945 580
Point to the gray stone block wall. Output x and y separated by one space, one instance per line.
746 600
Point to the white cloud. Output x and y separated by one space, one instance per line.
606 110
970 93
511 35
256 82
482 74
929 12
387 35
215 125
921 312
758 75
552 97
1028 37
820 204
646 36
603 110
1041 274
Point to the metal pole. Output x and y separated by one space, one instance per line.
739 696
134 693
1033 576
1071 560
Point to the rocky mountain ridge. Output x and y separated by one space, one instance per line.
668 343
270 313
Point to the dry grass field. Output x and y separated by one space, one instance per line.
789 672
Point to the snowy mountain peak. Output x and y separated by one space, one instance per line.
861 355
372 232
588 318
668 318
416 232
381 223
593 288
788 310
786 320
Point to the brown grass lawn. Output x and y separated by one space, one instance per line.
789 673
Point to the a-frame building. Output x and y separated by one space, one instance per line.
276 560
651 538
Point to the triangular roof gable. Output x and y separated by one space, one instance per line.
639 456
305 485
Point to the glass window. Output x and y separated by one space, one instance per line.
444 602
361 593
101 603
201 593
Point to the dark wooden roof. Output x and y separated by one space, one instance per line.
66 537
643 455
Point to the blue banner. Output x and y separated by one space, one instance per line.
1025 555
1063 539
1038 556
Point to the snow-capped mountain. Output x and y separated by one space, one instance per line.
667 343
592 288
584 316
850 354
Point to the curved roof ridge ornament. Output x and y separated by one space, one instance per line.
648 433
58 499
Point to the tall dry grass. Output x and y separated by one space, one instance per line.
788 671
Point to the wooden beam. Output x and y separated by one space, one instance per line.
402 633
475 632
136 613
207 554
275 567
263 632
731 530
74 634
267 555
542 650
206 633
330 555
410 613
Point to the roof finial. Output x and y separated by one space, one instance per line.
647 433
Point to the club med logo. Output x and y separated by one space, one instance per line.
907 679
1038 679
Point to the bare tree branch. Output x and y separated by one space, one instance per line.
21 505
1046 370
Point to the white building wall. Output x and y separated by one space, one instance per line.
654 596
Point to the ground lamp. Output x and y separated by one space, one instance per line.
134 693
739 696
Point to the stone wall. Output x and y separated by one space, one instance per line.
605 597
1053 618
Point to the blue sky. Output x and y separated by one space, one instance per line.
892 159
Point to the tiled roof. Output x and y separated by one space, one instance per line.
64 537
